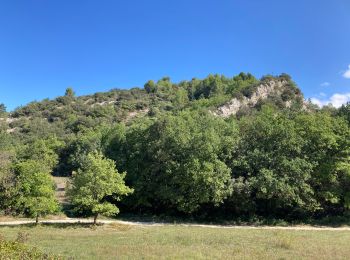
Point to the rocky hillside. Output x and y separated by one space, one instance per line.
223 96
278 90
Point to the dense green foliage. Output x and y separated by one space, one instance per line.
278 156
177 161
96 184
34 190
2 109
18 250
292 164
344 111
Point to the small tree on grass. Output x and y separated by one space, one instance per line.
35 190
95 184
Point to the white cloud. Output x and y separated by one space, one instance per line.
339 99
347 73
322 94
325 84
316 101
336 100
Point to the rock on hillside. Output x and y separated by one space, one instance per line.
262 92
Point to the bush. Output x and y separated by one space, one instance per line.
18 250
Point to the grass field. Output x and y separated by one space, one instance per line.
116 241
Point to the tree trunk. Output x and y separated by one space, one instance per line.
37 219
95 218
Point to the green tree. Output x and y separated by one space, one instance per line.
150 86
95 185
180 98
43 150
271 163
73 156
2 109
178 162
7 180
35 190
69 93
344 111
327 147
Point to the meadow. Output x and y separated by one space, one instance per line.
119 241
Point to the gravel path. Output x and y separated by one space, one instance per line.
155 224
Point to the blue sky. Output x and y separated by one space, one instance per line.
46 46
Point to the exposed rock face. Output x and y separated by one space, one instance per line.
231 108
136 113
8 119
263 91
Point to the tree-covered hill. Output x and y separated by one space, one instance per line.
234 147
69 114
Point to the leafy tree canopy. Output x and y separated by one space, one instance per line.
95 185
34 190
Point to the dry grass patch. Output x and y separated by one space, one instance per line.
119 226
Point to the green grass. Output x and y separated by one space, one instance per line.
178 242
18 250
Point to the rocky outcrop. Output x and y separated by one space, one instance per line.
262 91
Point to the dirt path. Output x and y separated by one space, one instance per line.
155 224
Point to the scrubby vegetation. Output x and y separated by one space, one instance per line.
16 249
278 156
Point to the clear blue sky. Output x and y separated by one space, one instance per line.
46 46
